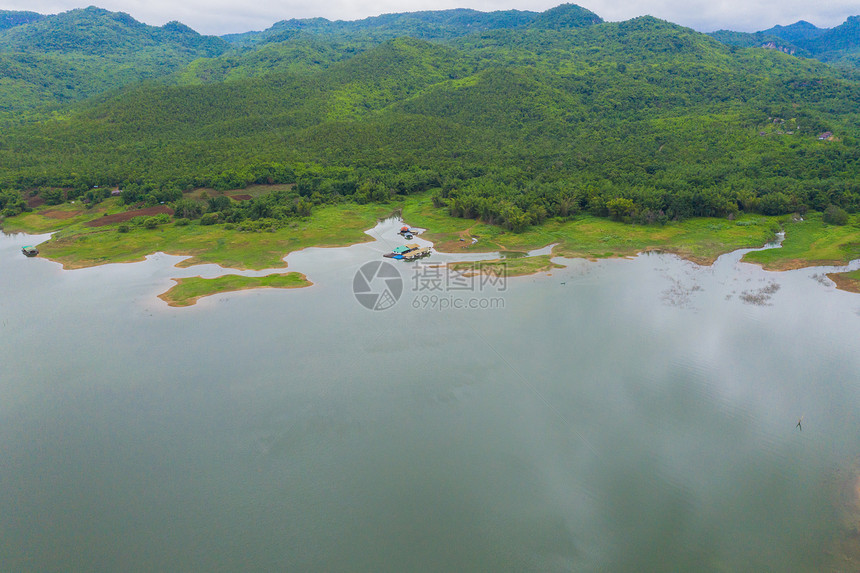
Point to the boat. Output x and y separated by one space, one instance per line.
30 251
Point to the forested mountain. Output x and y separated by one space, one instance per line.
10 18
96 32
643 120
428 25
316 43
76 54
839 45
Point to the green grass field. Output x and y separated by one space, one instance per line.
76 245
188 291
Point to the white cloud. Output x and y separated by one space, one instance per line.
226 16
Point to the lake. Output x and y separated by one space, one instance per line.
620 415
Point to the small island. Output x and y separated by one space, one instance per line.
188 291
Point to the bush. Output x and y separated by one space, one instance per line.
123 228
182 222
150 223
835 215
209 219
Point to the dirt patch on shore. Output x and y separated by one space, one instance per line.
844 283
239 197
57 214
128 215
33 202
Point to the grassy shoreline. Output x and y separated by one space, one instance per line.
700 240
75 244
811 243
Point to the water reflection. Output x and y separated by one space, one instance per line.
590 424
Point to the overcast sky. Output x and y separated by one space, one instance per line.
227 16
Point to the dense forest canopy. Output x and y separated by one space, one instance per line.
534 115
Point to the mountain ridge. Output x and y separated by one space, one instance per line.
838 45
426 25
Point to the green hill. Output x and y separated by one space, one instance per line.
564 17
97 32
80 53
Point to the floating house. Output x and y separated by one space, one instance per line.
397 252
30 251
408 252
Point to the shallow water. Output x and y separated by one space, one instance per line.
620 415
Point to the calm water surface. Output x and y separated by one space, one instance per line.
623 415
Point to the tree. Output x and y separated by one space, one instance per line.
621 208
187 209
835 215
